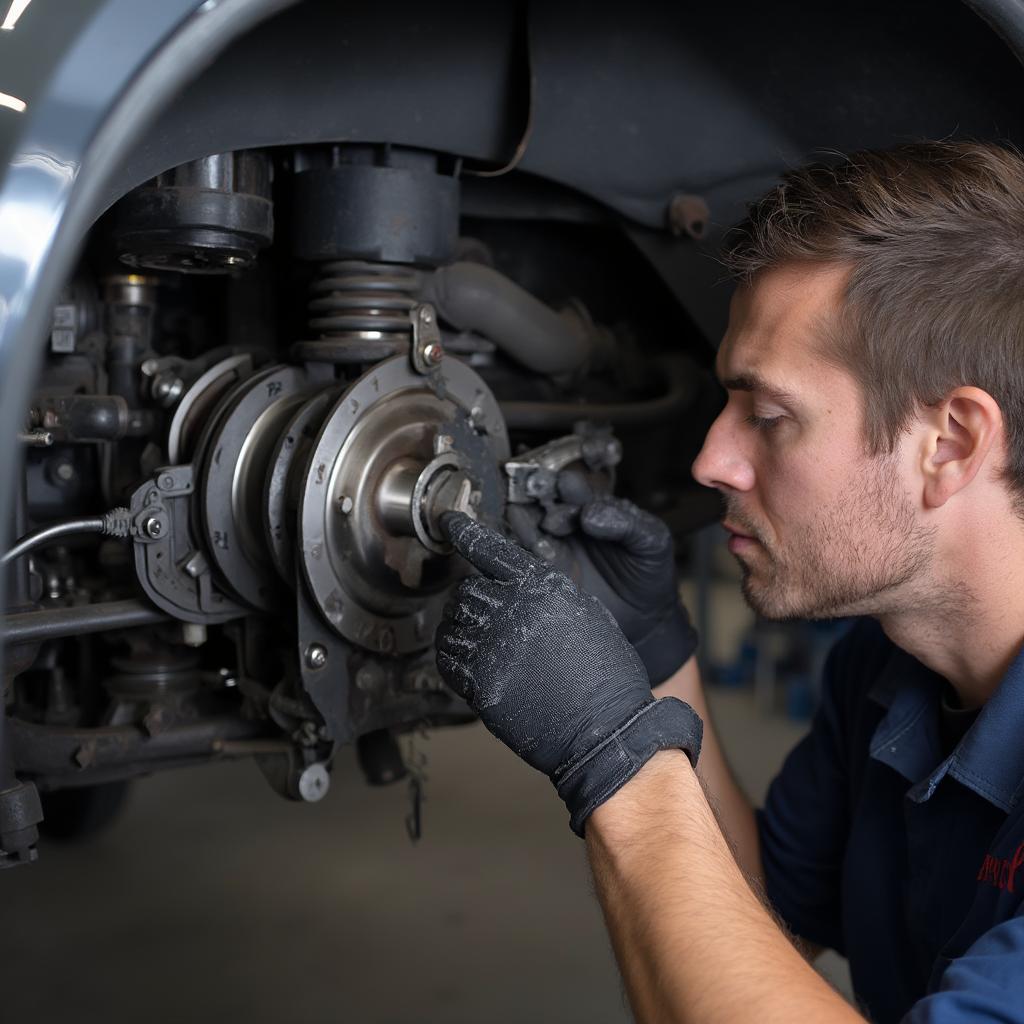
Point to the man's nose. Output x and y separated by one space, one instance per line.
722 462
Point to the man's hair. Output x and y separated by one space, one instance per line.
933 234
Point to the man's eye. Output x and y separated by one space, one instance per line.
764 422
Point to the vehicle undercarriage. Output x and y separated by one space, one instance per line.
361 268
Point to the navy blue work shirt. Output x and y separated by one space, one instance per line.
909 863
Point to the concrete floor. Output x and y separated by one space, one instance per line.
213 900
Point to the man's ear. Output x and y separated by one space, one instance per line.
960 433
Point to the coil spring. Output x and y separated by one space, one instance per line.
359 311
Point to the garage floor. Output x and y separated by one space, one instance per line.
213 900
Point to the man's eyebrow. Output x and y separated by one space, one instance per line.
752 382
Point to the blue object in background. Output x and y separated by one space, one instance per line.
801 696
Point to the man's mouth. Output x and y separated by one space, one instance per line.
738 540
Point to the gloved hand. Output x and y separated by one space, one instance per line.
551 674
623 556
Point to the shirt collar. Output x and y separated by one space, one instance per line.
989 759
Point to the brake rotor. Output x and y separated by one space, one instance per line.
235 451
285 479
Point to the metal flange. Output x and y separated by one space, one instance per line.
377 588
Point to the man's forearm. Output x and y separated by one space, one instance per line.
692 940
735 815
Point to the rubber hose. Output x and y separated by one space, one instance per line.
115 523
473 297
648 411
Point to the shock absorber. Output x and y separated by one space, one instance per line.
369 216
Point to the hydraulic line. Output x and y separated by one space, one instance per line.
546 416
50 623
115 523
473 297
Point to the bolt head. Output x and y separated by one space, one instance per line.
545 549
65 472
433 354
153 527
367 677
426 316
316 656
345 504
314 783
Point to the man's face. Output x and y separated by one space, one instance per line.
820 527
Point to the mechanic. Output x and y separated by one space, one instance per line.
871 460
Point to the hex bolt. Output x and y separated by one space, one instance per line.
35 438
316 656
433 353
368 677
153 527
545 549
478 419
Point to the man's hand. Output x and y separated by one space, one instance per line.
551 674
624 557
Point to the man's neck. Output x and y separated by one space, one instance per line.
968 624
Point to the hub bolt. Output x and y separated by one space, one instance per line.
316 656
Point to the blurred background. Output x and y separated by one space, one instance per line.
211 899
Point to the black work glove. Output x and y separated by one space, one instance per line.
550 673
624 557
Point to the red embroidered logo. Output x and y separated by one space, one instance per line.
999 871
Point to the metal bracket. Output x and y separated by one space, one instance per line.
169 561
533 475
427 350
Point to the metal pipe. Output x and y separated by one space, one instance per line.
473 297
562 415
50 623
56 751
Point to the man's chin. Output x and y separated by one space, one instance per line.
771 601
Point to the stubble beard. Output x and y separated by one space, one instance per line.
856 556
